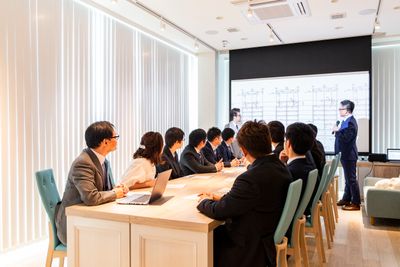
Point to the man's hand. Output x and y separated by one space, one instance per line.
283 156
235 162
206 195
125 189
119 192
219 165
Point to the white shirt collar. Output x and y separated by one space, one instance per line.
212 146
294 158
100 157
347 116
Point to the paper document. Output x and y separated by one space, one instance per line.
173 186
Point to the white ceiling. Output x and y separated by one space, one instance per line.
199 16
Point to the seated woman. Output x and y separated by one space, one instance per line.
142 171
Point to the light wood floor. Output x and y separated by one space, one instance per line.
357 243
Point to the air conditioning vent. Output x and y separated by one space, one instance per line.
266 10
338 16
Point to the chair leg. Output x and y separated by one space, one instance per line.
61 261
318 230
336 196
50 250
334 199
295 250
326 222
302 239
281 251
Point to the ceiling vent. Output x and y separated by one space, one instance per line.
267 10
338 16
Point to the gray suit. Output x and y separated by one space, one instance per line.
235 146
86 185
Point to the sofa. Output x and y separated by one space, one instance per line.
380 203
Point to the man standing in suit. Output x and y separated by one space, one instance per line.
345 142
173 141
90 180
252 208
235 122
224 150
193 160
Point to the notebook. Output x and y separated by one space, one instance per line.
156 193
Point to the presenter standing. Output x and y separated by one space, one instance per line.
345 142
235 123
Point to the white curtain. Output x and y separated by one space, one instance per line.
63 66
385 97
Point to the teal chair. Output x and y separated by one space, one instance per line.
313 223
297 243
50 197
292 200
335 188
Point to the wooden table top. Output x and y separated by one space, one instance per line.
177 208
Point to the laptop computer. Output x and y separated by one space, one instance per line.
393 154
156 193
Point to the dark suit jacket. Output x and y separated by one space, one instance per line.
170 162
278 149
85 184
318 154
345 140
225 154
299 168
251 210
209 154
193 162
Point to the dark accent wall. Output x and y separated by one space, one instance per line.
331 56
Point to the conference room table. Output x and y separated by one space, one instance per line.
168 232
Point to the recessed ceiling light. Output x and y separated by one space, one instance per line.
334 1
243 39
338 27
341 15
368 11
232 29
212 32
219 18
377 25
396 8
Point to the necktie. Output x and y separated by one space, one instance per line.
237 128
106 182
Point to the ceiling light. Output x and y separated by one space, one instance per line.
196 45
249 13
114 1
162 25
271 38
396 8
219 18
377 25
243 39
338 27
334 1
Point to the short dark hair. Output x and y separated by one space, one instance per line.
277 131
314 128
97 132
349 105
301 137
173 135
233 113
151 146
255 138
227 134
196 136
213 133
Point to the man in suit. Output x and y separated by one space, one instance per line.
317 151
252 208
173 141
213 141
277 130
224 150
299 140
345 142
90 180
235 122
193 160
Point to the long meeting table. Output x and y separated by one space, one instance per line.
168 232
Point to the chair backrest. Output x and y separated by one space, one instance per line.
321 188
331 173
311 181
49 194
292 200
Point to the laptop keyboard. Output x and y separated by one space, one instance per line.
135 198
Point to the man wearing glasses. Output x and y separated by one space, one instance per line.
345 142
90 179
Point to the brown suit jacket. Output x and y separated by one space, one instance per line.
84 185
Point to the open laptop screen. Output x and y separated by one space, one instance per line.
393 154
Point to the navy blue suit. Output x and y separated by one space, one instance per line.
193 162
224 153
345 142
170 162
209 153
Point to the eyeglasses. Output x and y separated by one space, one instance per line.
342 108
115 137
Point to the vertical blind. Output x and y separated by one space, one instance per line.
63 66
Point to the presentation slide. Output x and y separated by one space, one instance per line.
309 99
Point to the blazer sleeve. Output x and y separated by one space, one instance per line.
208 155
348 134
242 198
83 176
197 167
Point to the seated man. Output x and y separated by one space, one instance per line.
318 151
90 178
224 150
252 208
192 160
173 142
299 140
277 130
213 141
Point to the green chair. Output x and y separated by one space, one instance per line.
297 243
292 200
313 223
334 187
50 197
